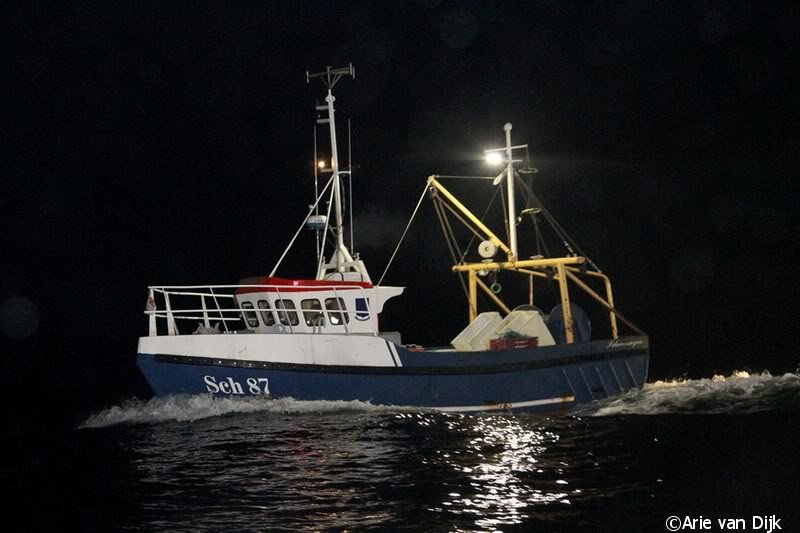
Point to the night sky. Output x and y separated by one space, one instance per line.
153 145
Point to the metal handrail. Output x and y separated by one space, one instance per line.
170 314
276 287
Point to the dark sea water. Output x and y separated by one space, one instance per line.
725 447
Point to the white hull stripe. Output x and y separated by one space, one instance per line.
393 353
504 406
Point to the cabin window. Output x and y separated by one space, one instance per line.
250 316
362 308
266 316
336 304
286 317
312 312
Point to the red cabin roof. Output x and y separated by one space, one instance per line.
297 285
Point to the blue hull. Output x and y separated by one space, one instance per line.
544 379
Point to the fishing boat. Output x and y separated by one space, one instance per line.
319 338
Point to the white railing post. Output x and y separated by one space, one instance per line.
151 308
274 296
221 315
206 322
172 329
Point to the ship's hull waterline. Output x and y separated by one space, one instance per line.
543 379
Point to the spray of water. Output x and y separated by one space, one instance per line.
186 408
738 393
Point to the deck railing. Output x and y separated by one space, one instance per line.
201 304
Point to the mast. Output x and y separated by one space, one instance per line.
342 254
341 261
512 209
495 156
316 193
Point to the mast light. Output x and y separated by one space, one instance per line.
494 158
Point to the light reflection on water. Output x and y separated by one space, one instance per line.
501 459
298 467
271 472
479 472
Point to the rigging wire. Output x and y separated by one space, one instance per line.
486 212
460 275
311 210
445 224
403 236
505 210
325 235
456 247
524 187
538 235
568 242
461 219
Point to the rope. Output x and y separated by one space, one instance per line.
403 236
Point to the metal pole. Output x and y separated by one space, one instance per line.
518 265
608 305
337 198
316 187
565 308
612 316
472 218
493 296
512 210
172 327
320 266
350 182
530 289
473 295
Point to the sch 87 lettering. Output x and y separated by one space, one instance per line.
255 386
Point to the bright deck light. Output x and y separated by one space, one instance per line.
321 163
494 158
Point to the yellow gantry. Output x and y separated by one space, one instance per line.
559 269
472 218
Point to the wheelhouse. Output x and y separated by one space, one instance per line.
276 305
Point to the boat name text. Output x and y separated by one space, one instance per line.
624 344
232 386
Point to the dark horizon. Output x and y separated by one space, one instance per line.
146 145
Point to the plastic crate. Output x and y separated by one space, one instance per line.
513 344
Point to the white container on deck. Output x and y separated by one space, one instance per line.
526 323
474 336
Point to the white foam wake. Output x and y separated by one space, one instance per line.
185 408
737 393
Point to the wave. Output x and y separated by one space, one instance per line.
738 393
188 408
